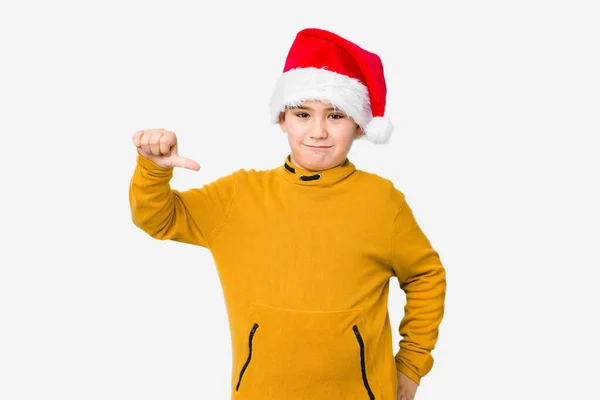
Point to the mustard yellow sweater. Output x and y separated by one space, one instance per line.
305 262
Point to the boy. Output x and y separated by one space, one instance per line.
305 251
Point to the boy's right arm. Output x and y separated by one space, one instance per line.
193 216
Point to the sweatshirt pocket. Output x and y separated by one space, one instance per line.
303 354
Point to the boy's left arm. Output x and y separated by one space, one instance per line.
423 279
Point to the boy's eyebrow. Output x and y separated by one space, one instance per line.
311 109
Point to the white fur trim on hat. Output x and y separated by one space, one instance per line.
305 84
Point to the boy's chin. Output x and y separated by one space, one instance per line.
316 162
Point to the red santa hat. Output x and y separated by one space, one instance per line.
324 66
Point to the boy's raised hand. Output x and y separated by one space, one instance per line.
160 146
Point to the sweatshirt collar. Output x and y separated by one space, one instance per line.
328 177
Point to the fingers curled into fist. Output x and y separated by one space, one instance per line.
160 147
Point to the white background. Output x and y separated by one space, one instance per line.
496 107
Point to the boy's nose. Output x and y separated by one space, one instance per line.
319 130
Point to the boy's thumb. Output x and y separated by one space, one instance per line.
186 163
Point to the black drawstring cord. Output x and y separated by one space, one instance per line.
303 177
310 178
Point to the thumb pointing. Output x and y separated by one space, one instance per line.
187 163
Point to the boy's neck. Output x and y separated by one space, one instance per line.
327 177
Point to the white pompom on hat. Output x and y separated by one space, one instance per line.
324 66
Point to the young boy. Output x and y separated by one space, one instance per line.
305 251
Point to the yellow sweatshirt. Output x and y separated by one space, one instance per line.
305 261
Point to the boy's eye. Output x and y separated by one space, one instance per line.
334 116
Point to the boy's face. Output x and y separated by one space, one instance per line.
320 136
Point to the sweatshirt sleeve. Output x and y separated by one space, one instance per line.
194 216
423 279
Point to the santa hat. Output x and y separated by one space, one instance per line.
324 66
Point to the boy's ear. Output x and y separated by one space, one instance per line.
359 131
281 120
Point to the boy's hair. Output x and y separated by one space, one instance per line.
324 66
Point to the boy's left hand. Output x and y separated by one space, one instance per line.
407 388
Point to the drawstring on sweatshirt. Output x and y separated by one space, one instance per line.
303 177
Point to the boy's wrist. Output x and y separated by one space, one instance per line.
402 369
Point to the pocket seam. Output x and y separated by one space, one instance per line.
303 310
249 358
375 370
